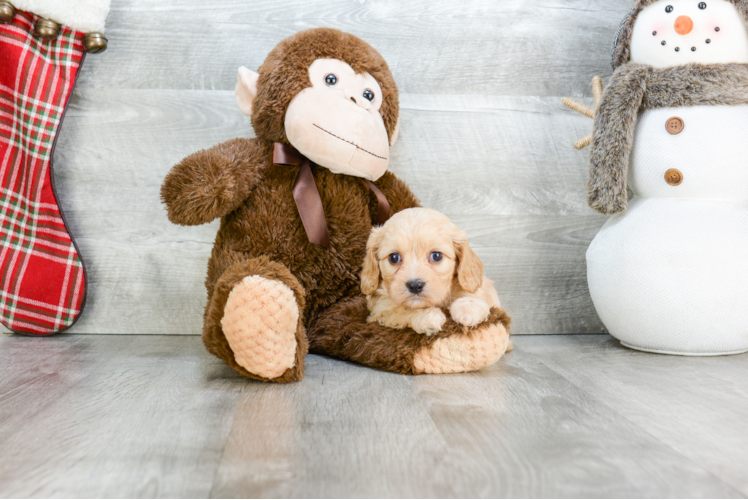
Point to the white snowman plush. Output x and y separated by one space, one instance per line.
668 272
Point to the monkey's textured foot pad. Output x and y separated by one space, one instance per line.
259 321
464 353
343 332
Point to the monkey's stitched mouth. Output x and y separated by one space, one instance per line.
349 142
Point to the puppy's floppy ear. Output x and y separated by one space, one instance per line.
370 271
469 267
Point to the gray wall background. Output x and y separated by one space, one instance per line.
484 138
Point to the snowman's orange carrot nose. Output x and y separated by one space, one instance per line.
683 25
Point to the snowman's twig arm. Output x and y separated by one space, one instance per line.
597 92
584 141
578 107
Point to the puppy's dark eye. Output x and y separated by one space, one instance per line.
669 9
436 256
702 5
368 95
331 80
395 258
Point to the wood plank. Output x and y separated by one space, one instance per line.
520 429
344 431
698 406
479 47
539 268
484 155
105 416
157 416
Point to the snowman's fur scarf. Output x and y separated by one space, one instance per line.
635 88
622 48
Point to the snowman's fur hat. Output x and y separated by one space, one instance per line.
621 51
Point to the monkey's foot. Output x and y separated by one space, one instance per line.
464 353
260 321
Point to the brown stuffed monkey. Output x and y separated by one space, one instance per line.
297 204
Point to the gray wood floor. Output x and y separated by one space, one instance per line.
484 139
561 416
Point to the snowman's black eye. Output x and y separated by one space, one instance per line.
368 95
331 80
669 9
654 33
702 5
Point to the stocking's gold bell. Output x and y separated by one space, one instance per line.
7 12
46 28
94 43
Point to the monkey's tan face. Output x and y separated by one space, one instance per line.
336 122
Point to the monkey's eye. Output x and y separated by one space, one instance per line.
331 80
669 9
436 256
702 5
395 258
368 95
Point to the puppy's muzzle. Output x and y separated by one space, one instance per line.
415 286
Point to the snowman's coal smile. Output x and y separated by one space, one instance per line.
693 49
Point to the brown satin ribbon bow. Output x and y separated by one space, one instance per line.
308 200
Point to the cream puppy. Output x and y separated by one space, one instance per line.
419 262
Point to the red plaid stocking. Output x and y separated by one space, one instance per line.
42 280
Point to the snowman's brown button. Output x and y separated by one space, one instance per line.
673 177
675 125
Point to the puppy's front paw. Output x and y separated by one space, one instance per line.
429 321
469 311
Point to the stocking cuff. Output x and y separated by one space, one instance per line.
81 15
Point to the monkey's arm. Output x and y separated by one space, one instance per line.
398 193
213 182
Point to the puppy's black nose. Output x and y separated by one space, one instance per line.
415 286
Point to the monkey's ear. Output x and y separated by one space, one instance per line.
246 89
395 132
